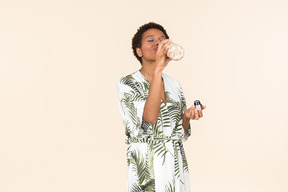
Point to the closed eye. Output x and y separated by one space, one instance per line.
151 40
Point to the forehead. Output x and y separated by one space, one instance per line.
153 32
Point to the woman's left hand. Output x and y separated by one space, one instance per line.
193 113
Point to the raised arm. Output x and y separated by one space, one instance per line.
153 102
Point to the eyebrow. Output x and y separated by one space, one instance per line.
153 36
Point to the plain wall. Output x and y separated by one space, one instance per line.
60 61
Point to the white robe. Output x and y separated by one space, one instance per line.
155 155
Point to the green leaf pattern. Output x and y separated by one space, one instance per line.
155 154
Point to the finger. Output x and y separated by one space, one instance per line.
200 113
203 107
196 114
167 60
189 114
192 112
166 47
163 45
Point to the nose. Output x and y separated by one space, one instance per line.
157 42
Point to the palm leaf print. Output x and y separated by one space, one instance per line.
149 186
174 108
183 100
153 148
144 170
129 80
132 112
176 160
184 160
127 129
150 160
138 166
157 130
160 149
178 128
136 188
127 155
164 117
170 187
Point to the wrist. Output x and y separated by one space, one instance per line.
185 118
157 72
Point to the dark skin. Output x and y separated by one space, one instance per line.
154 60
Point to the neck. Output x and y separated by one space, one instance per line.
147 70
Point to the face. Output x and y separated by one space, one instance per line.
150 41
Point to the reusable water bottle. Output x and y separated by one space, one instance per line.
175 51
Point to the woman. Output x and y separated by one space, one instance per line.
153 109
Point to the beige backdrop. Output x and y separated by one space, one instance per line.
60 127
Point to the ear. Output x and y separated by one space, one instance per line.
139 52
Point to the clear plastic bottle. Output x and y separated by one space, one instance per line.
175 51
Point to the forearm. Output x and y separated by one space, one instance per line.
153 102
185 122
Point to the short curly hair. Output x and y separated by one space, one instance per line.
136 40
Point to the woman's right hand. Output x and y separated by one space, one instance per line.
161 55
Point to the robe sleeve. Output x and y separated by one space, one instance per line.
183 108
131 105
